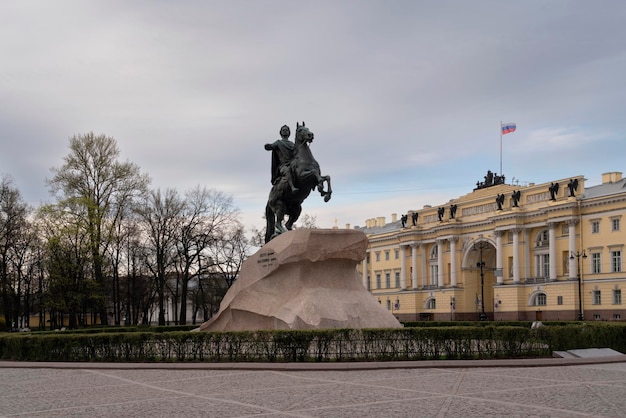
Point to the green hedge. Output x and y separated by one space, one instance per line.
526 324
585 335
119 329
409 343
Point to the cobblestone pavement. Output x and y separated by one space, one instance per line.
514 388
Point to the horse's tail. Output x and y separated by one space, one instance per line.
270 223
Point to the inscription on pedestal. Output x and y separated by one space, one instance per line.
267 259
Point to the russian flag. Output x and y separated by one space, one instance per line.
507 128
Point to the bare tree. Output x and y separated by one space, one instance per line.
119 256
24 267
307 221
67 262
229 253
207 217
161 214
140 287
93 180
13 225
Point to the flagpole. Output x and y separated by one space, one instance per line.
501 148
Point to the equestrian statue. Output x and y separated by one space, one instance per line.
295 173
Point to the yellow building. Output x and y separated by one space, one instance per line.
550 251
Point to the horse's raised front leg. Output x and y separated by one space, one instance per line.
329 191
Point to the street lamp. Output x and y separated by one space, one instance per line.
578 254
481 265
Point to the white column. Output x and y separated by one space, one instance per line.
516 274
573 267
365 271
552 249
414 266
526 252
453 261
439 263
424 265
500 278
402 267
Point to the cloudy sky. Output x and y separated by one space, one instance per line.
405 97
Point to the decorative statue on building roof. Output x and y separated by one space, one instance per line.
488 179
440 213
572 186
414 216
516 197
491 179
295 173
403 219
452 211
500 201
553 189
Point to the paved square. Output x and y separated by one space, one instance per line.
200 390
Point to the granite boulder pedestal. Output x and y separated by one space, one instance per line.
302 279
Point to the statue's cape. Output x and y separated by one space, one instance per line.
282 151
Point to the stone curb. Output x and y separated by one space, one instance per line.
312 366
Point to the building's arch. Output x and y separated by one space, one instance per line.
542 238
434 252
472 254
430 303
538 298
478 271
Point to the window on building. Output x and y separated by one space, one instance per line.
387 255
431 303
617 316
565 230
559 300
543 239
378 283
377 255
617 296
388 305
369 283
597 317
596 263
615 224
387 280
397 279
397 254
543 266
510 236
435 251
616 261
539 299
595 227
597 297
434 275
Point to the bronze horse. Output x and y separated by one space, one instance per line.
307 176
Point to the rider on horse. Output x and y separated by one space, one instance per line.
292 164
282 155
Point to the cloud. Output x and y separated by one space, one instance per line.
405 98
